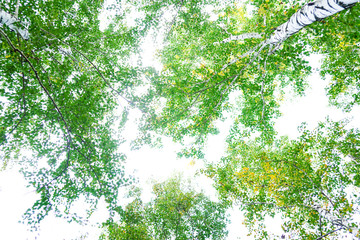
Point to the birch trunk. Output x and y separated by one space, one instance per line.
9 20
309 13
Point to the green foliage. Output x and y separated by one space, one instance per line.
200 72
312 182
59 90
339 42
176 212
133 226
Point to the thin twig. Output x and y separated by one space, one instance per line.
235 60
329 233
37 77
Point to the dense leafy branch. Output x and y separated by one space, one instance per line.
68 133
94 66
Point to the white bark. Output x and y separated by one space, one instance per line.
240 37
308 14
9 20
17 9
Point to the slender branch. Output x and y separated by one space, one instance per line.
240 37
24 108
235 60
17 9
54 58
228 86
261 46
329 233
67 135
233 76
248 53
190 105
37 77
76 62
91 148
290 206
16 126
69 141
220 100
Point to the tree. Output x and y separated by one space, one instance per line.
209 60
176 212
133 225
61 79
313 182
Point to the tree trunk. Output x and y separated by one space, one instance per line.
309 13
9 20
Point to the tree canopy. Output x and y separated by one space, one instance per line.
311 181
176 212
68 84
59 88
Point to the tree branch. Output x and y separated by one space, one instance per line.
37 77
329 233
240 37
17 9
268 203
263 86
67 134
95 67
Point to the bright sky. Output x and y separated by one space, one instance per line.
148 164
